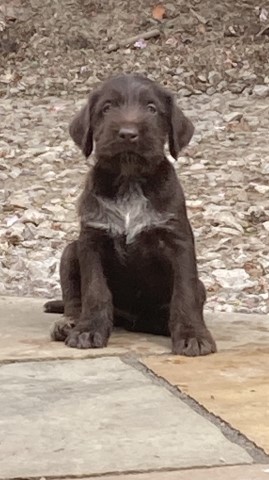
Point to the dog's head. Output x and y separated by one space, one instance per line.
130 114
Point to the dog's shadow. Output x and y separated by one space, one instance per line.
139 342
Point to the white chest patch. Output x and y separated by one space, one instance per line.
129 215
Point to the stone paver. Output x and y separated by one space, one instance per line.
231 384
25 334
86 417
98 416
250 472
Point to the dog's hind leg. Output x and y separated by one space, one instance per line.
71 292
54 306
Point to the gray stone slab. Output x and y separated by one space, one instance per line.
241 472
25 334
95 416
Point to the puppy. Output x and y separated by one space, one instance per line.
133 264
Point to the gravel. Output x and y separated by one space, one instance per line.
53 53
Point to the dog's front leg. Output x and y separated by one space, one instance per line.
96 320
189 333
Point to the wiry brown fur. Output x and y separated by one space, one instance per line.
134 262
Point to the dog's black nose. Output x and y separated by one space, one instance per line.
129 133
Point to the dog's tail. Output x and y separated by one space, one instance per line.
54 306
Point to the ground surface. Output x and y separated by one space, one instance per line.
132 410
214 56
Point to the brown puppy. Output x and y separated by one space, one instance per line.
134 262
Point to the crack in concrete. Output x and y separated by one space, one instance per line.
126 472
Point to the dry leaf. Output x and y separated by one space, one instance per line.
263 15
172 41
201 28
158 12
140 43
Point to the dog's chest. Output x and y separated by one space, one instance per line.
128 215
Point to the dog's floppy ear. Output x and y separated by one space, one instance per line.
81 127
181 128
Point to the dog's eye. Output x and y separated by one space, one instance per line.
106 107
151 108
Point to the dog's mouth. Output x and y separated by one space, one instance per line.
128 163
117 148
130 157
128 149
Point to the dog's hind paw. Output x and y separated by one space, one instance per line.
61 329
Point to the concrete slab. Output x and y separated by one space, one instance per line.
251 472
25 334
89 417
231 384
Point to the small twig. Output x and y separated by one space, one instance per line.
199 17
141 36
156 32
263 30
170 23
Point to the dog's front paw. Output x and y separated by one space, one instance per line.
193 345
61 329
87 339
